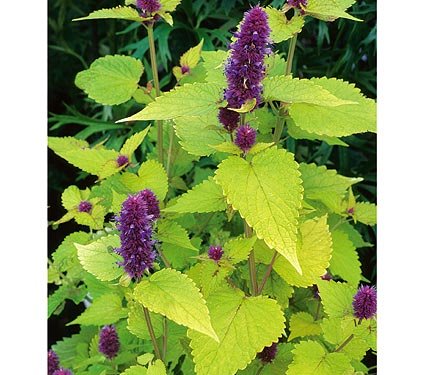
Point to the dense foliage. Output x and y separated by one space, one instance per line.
214 236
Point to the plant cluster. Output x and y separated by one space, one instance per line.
211 248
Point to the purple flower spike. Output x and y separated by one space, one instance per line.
85 206
365 302
245 68
63 371
300 4
215 253
152 202
148 6
122 160
52 362
245 137
108 342
135 226
229 119
269 353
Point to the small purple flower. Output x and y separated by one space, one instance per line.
300 4
135 226
268 354
245 137
122 160
215 252
108 341
185 69
152 202
365 302
63 371
245 68
85 206
229 119
148 6
52 362
350 211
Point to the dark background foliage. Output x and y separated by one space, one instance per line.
343 49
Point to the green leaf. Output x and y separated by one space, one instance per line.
314 250
337 121
354 236
144 359
172 233
294 90
63 144
191 57
214 65
119 12
325 185
275 65
238 249
199 134
280 364
303 324
99 259
345 260
282 28
136 322
135 370
169 5
337 298
107 309
132 143
255 189
55 299
111 79
328 10
204 197
151 175
228 147
173 294
365 212
94 219
72 196
157 368
310 358
188 100
244 325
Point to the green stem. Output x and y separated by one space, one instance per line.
251 262
164 338
268 272
347 340
151 332
157 90
280 123
318 310
164 258
291 53
170 151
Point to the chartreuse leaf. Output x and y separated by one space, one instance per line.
278 288
238 249
345 260
188 100
336 331
72 196
337 121
199 134
136 322
63 144
189 59
354 236
125 13
94 219
173 294
132 143
314 250
151 175
280 364
106 309
365 212
135 370
156 368
294 90
244 325
214 65
325 185
282 28
311 358
303 324
172 233
99 259
337 298
111 79
255 189
328 10
204 197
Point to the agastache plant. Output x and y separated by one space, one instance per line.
207 234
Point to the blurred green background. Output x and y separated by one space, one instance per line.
343 49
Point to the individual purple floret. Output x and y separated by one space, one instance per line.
148 6
85 206
215 252
108 341
268 354
122 160
245 137
185 69
300 4
245 68
229 119
52 362
135 226
63 371
365 302
152 202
